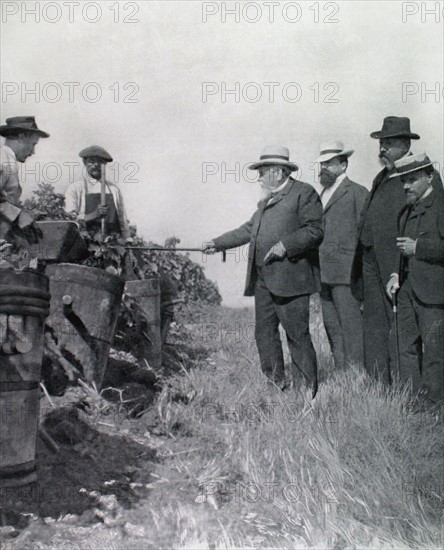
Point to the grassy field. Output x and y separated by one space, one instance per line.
243 465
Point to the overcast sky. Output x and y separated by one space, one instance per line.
163 114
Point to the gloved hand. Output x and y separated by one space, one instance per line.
276 253
392 286
209 247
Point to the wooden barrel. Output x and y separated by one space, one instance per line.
60 241
147 296
85 304
24 305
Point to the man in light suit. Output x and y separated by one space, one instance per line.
342 200
283 264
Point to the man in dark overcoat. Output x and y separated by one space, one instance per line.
342 200
377 256
283 264
420 335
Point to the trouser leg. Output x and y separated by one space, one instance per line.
431 326
408 340
332 325
294 314
267 335
350 320
376 321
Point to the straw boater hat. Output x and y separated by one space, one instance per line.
394 126
96 151
273 155
17 124
411 163
332 149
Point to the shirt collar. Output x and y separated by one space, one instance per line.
340 178
91 180
281 186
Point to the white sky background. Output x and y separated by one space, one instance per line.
170 132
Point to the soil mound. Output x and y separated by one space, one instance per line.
90 464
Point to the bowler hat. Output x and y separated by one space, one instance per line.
17 124
332 149
411 163
395 126
96 151
274 155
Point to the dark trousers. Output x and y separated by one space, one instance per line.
343 324
421 344
376 320
293 314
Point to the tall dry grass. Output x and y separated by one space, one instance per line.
247 466
359 466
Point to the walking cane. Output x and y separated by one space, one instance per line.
395 326
103 198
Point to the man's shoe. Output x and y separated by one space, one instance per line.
314 388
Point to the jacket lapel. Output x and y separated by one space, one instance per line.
279 196
423 205
340 192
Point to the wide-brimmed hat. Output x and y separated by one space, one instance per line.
274 155
411 163
17 124
394 126
332 149
96 151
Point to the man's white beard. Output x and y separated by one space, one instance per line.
265 192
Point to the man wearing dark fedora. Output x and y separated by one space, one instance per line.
284 235
83 197
420 337
21 135
342 200
377 256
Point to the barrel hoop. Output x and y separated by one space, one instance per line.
13 470
9 290
69 280
7 309
18 385
24 301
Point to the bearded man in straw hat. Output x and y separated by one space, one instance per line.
421 278
283 264
342 200
377 256
22 135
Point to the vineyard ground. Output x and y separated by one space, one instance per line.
222 459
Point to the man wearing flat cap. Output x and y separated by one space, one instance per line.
342 200
22 135
83 197
284 235
420 337
377 256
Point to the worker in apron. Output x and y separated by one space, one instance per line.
84 201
